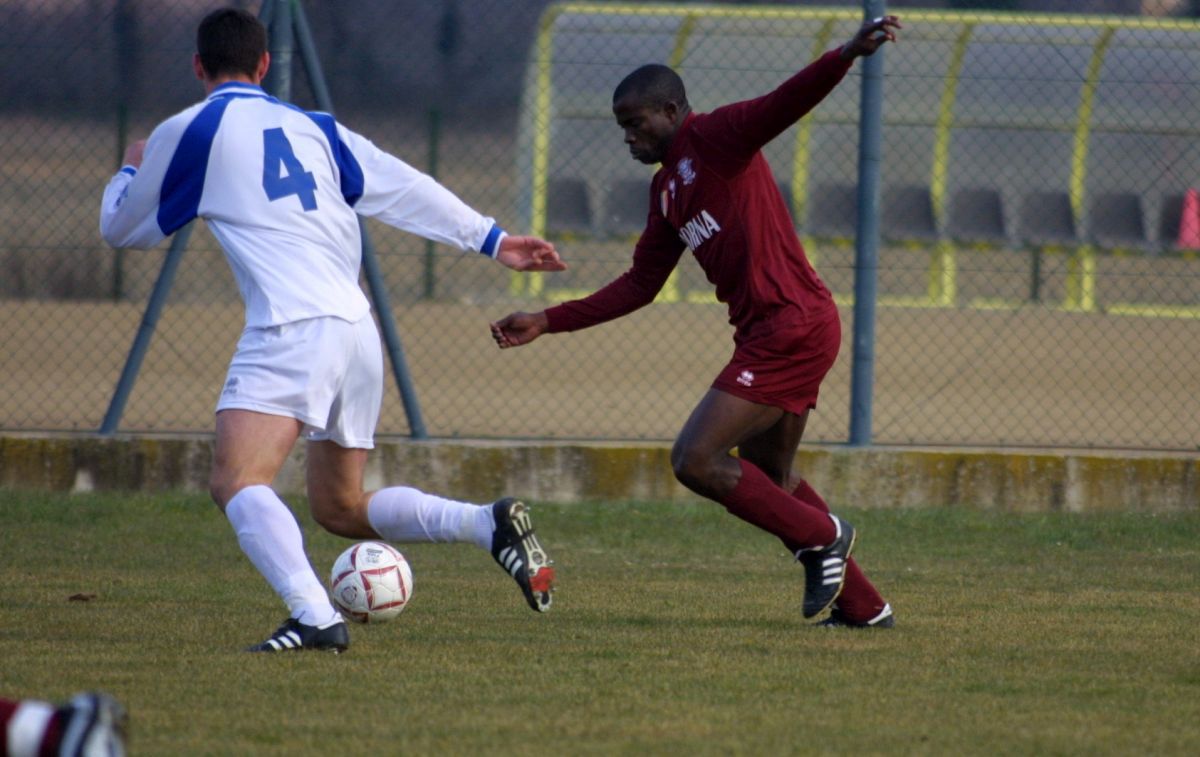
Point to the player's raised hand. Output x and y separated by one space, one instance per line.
133 153
529 254
871 36
519 328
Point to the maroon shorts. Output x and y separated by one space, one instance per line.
783 366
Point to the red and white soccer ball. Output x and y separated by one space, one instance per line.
371 582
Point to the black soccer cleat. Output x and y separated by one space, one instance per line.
93 725
885 619
825 569
294 636
516 548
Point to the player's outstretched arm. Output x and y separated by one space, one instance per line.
871 36
130 205
529 254
519 328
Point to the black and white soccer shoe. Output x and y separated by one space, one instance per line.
294 636
94 725
885 619
825 569
516 548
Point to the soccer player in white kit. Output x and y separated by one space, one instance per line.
281 190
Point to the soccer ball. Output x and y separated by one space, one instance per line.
371 582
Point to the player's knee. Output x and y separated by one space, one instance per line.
220 490
691 468
333 521
224 484
339 516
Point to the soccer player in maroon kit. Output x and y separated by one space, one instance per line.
716 195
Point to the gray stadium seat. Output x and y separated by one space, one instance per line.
1168 221
567 210
1116 221
832 211
976 214
626 206
907 213
1046 218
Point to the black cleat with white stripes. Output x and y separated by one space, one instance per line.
825 569
517 550
294 636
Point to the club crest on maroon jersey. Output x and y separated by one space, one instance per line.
686 171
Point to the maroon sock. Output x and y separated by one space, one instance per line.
758 500
52 738
859 600
7 708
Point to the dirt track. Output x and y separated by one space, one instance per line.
1031 376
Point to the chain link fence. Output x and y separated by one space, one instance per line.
1037 271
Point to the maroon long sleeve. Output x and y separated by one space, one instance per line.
716 195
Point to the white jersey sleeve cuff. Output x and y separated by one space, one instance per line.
491 245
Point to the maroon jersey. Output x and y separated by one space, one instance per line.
716 195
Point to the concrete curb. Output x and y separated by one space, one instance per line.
1029 481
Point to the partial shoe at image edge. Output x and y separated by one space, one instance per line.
93 724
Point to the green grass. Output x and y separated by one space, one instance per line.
676 629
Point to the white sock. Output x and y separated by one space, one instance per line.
26 728
404 514
270 536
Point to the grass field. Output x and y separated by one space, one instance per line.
676 630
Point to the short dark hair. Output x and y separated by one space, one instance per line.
230 41
653 84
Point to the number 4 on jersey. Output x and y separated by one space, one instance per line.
283 174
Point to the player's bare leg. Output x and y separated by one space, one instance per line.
251 448
334 477
702 461
774 449
701 455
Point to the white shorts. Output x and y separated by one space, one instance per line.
325 372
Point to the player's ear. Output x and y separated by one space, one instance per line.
264 63
198 67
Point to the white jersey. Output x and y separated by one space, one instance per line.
281 190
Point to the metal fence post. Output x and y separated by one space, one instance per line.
371 270
141 341
866 249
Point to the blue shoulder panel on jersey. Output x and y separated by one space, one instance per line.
179 198
348 167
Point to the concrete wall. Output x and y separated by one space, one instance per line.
1026 481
